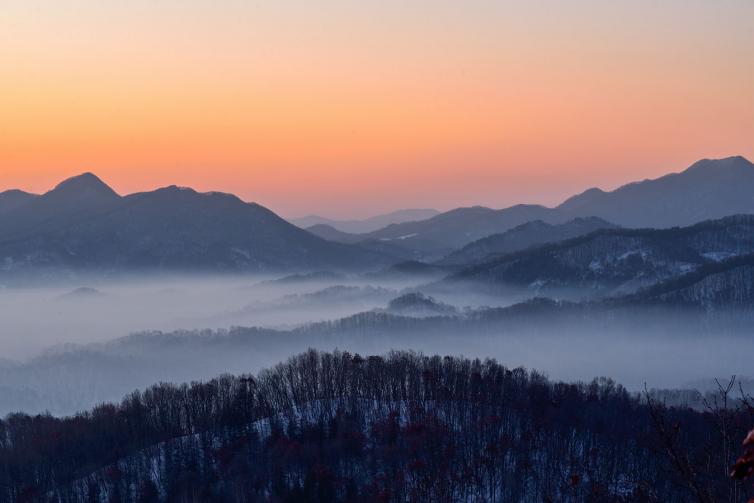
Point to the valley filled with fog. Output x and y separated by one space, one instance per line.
83 345
38 318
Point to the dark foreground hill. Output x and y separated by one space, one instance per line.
338 427
83 225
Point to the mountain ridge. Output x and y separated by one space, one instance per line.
373 223
527 235
82 224
617 260
708 189
13 198
52 223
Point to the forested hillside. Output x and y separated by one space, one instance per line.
617 261
404 427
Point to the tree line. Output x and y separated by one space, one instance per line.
339 427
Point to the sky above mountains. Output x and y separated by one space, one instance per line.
353 108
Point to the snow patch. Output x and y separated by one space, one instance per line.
718 256
400 238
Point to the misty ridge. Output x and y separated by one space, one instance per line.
98 266
639 300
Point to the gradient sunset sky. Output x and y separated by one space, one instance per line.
349 108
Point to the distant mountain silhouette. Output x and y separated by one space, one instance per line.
309 277
442 234
524 236
330 233
82 293
85 188
82 224
12 199
708 189
412 269
368 224
75 198
394 248
417 304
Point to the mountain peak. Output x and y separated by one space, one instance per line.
172 189
13 198
733 162
739 158
84 185
15 192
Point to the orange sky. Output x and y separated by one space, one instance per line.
348 108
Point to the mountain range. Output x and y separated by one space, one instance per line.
82 224
708 189
453 229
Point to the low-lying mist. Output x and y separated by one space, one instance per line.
34 319
65 349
